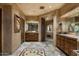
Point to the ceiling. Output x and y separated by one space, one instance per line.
33 9
72 13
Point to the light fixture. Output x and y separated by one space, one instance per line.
42 7
50 6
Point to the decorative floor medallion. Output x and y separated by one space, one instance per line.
32 52
38 49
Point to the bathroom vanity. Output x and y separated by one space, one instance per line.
67 43
31 31
31 36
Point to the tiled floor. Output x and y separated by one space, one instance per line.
47 46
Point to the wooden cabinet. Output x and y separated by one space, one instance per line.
66 44
31 37
62 43
59 42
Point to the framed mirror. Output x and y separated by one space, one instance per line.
76 28
33 27
16 23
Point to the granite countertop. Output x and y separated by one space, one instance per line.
70 35
31 32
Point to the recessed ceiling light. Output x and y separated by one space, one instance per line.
42 7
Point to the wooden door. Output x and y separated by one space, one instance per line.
43 29
22 30
0 31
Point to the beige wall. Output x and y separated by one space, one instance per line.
16 37
10 40
6 29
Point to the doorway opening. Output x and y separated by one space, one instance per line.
49 30
0 31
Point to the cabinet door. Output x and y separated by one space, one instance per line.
66 46
58 41
73 45
69 46
63 43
